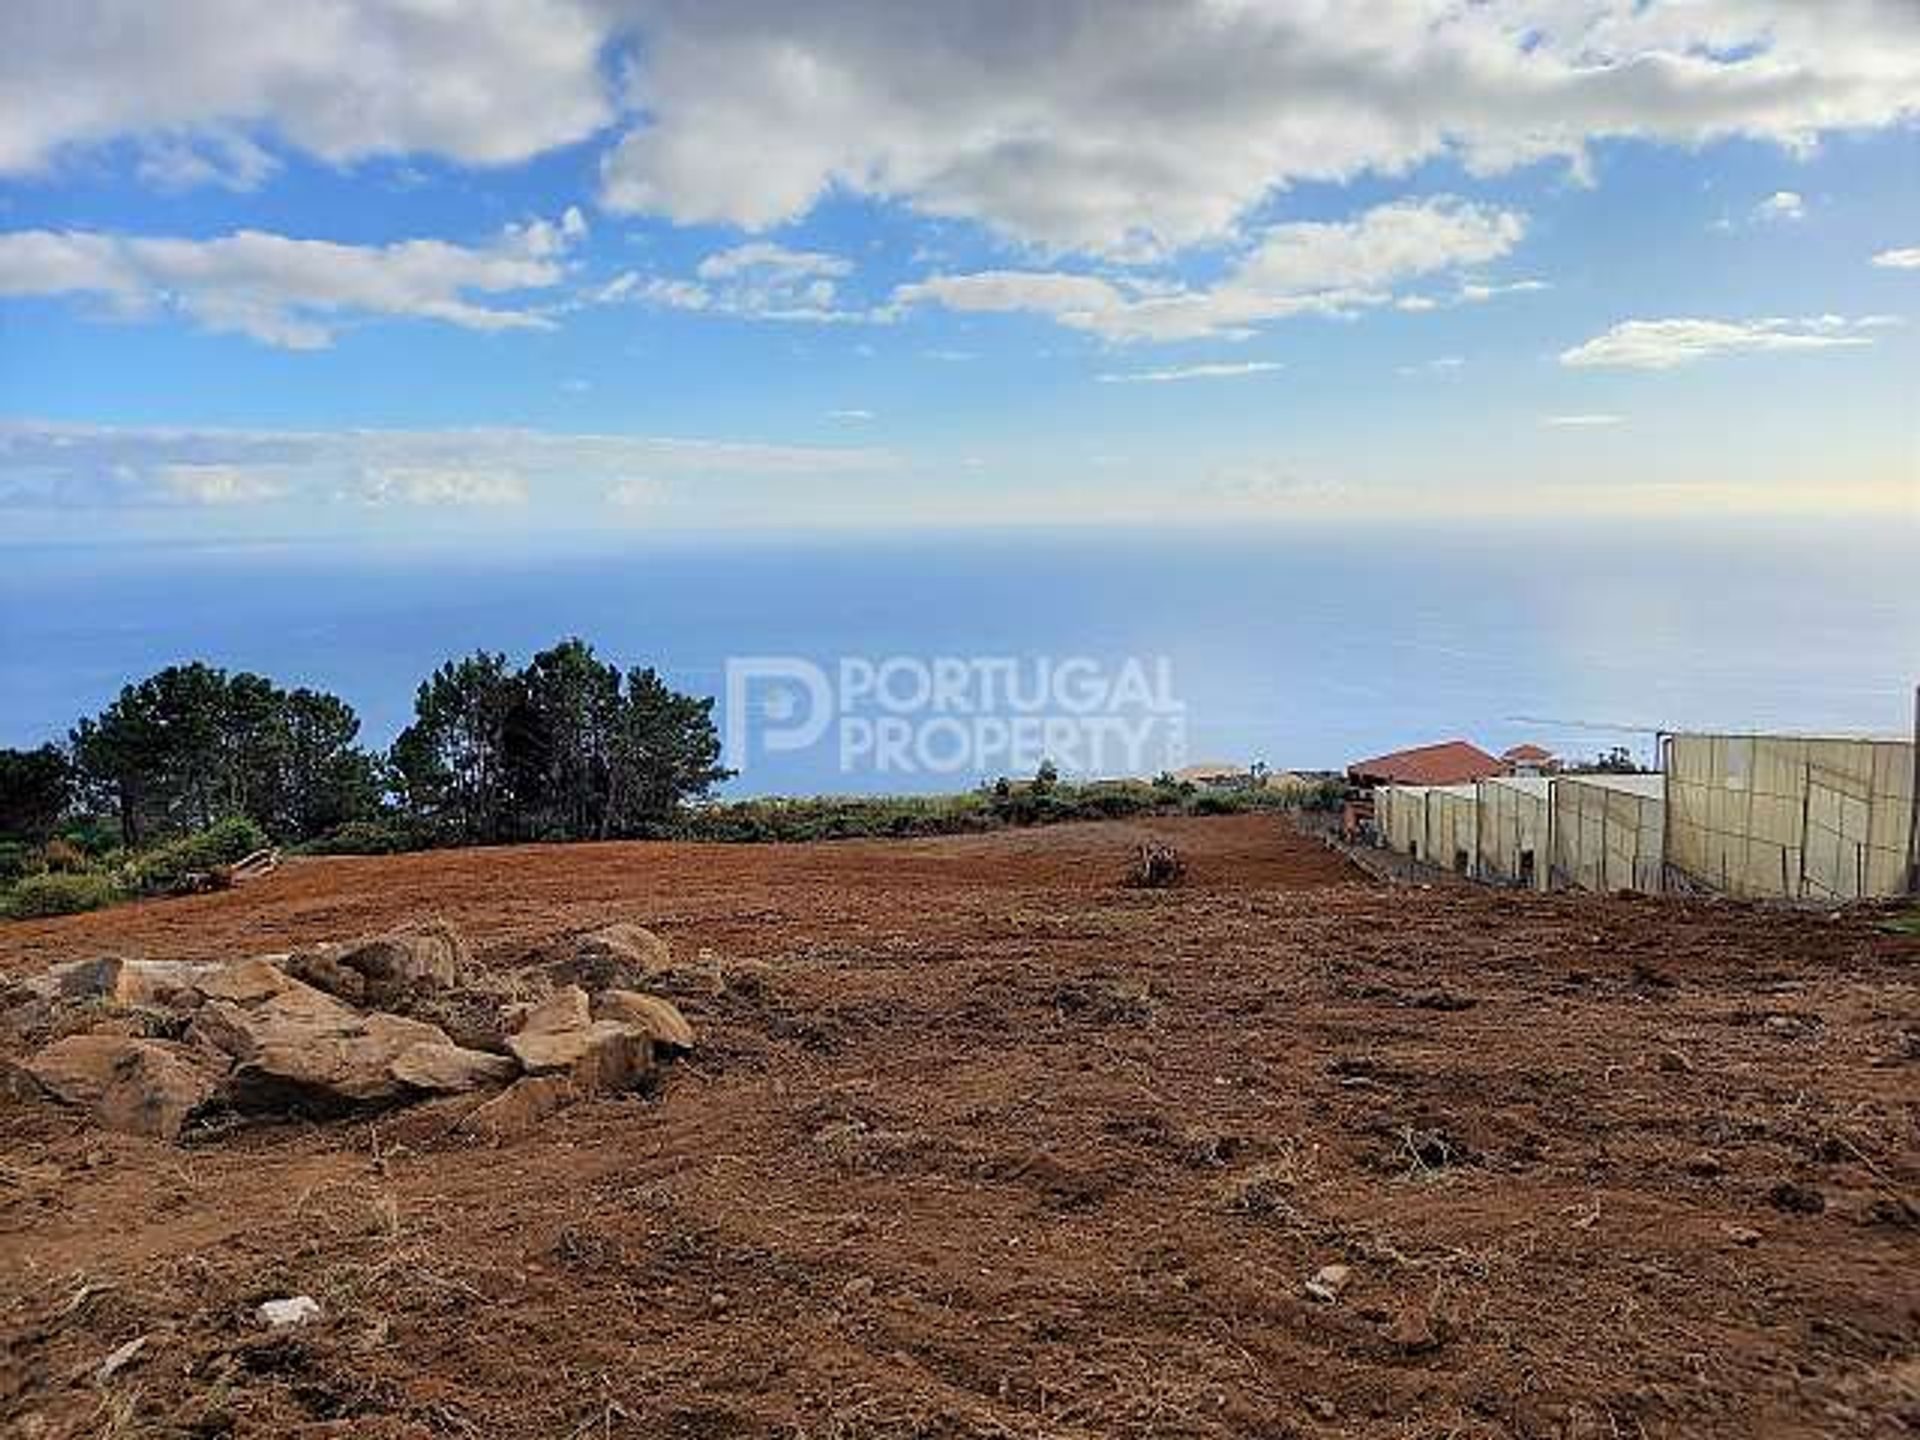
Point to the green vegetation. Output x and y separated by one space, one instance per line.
1044 800
193 768
50 893
167 869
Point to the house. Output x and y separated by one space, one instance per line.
1529 759
1451 762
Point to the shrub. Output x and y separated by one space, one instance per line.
40 895
170 867
17 858
371 837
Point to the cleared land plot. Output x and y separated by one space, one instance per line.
979 1142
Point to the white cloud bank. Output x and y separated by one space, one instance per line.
1077 125
1898 259
59 467
1308 267
1669 344
288 292
1219 370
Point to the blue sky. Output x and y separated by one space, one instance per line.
509 267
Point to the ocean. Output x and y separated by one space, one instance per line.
1303 648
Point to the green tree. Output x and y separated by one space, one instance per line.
665 753
191 744
324 778
36 787
560 743
451 763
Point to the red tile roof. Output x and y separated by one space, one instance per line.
1451 762
1526 752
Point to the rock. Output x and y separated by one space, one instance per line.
301 1048
566 1009
617 956
143 1087
659 1018
245 982
75 980
404 962
1741 1234
560 1035
1328 1281
520 1108
119 1360
294 1310
1796 1199
321 968
162 984
1413 1329
451 1069
604 1056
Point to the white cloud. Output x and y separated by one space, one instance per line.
1216 371
754 281
65 467
1898 259
1078 125
288 292
770 259
850 415
1782 206
1297 268
636 493
1084 126
1439 365
1668 344
221 484
1581 422
483 82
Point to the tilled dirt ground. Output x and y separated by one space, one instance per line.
980 1143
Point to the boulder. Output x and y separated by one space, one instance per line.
144 1087
602 1056
405 962
320 967
560 1036
520 1108
620 955
660 1019
161 984
565 1009
451 1069
301 1048
75 980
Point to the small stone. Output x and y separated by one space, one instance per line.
294 1310
1674 1063
1328 1281
719 1300
1412 1329
119 1360
858 1288
1741 1234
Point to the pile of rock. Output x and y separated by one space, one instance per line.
322 1032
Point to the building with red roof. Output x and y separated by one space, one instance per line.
1451 762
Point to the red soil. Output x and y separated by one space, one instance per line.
979 1142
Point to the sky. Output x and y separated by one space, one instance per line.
508 267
